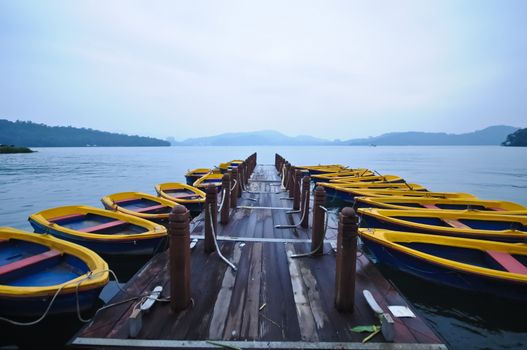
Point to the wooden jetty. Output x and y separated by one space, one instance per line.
271 300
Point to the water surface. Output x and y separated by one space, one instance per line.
66 176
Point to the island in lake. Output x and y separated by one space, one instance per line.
5 149
517 138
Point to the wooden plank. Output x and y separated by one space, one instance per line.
456 223
223 300
151 208
249 328
104 226
306 319
508 262
29 261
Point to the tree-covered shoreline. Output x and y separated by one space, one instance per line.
40 135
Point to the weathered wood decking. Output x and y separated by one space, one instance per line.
272 301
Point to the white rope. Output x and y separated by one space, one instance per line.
321 244
216 242
234 184
48 308
222 200
306 209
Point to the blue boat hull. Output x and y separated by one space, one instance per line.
33 307
122 247
445 276
367 221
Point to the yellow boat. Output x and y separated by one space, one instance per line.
346 192
460 223
139 204
209 179
405 203
374 179
104 231
223 167
320 169
191 197
192 175
495 268
410 194
35 267
326 177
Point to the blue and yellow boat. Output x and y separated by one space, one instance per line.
404 203
139 204
495 268
461 223
34 268
223 167
192 175
344 180
106 232
346 192
406 193
326 177
191 197
323 168
209 179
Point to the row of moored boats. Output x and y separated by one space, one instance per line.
60 261
450 238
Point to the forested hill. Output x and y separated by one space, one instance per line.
25 133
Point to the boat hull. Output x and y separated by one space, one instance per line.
439 274
36 306
368 221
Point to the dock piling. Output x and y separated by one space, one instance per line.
346 260
317 234
211 210
306 185
291 181
286 175
296 189
179 257
226 203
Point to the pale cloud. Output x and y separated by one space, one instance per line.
330 69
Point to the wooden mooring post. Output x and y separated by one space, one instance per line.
306 185
211 209
226 203
179 257
291 181
296 189
317 233
346 260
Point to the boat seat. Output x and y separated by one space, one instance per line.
125 200
184 196
64 217
102 226
153 207
456 223
510 263
31 260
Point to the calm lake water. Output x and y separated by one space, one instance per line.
65 176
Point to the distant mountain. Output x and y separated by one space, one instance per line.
517 138
30 134
256 138
493 135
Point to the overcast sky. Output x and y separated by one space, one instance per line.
332 69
